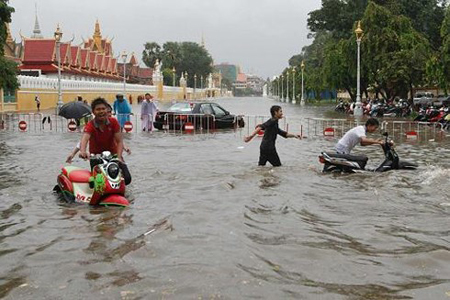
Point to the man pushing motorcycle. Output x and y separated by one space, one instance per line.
357 135
103 134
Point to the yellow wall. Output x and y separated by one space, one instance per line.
49 99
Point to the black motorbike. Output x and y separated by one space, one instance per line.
346 163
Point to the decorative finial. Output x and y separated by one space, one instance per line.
37 30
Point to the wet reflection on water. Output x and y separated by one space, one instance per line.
207 223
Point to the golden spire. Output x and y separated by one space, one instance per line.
97 32
97 37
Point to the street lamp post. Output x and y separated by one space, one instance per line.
358 112
195 85
287 86
124 59
201 86
278 88
282 89
302 100
293 86
174 76
58 35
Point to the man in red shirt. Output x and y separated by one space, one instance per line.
103 134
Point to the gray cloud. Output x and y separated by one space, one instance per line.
258 35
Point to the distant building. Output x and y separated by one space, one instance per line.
241 82
228 71
255 83
135 73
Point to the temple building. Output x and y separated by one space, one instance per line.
134 73
92 61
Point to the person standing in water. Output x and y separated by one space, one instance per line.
268 151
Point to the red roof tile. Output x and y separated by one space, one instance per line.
145 73
114 66
99 59
39 50
93 60
84 54
65 53
133 59
45 68
106 65
76 56
241 77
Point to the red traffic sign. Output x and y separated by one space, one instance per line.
128 126
329 131
411 135
72 126
188 127
22 125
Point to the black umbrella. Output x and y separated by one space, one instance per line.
75 110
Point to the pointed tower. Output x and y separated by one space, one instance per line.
97 37
37 30
203 41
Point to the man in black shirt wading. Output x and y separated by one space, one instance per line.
268 152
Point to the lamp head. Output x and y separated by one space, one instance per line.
58 34
124 55
359 32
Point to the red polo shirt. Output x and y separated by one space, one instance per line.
102 140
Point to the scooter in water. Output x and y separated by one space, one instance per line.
104 185
346 163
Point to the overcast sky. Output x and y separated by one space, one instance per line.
258 35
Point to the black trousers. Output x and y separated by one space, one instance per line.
269 156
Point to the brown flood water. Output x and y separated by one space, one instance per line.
207 223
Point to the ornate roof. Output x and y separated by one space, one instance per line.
39 51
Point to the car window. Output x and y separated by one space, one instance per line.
180 107
206 109
219 111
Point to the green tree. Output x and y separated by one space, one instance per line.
394 53
185 57
338 16
8 69
439 66
195 61
171 55
152 52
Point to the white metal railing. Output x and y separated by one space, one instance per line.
45 83
199 123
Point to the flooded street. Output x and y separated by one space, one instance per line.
207 223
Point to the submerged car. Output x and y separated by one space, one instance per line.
197 116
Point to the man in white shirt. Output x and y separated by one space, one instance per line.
357 135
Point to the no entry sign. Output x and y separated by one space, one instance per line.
22 125
188 127
128 126
328 131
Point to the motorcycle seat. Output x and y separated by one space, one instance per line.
80 176
360 159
